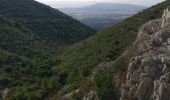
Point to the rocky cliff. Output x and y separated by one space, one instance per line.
148 75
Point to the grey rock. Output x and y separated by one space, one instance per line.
148 75
92 95
166 17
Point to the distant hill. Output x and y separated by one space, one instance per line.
102 15
43 27
108 6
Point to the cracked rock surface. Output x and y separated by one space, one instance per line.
148 75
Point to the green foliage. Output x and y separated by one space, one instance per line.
26 79
104 86
30 36
4 81
8 69
31 33
168 65
80 59
19 94
31 29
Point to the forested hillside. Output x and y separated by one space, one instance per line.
108 44
80 60
31 66
30 32
42 27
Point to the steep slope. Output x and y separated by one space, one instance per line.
79 60
13 69
17 70
148 75
29 33
15 39
22 78
108 44
48 28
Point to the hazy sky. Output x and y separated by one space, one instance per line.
80 3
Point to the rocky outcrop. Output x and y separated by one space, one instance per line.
4 93
148 75
68 96
166 17
92 95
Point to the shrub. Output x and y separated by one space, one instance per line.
104 86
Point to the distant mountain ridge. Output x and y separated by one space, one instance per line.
118 6
102 15
104 6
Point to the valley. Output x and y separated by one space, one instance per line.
48 55
102 15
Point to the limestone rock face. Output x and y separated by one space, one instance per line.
148 75
166 17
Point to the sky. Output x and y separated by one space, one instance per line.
81 3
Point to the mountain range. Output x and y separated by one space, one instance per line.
102 15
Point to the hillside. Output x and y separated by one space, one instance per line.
30 32
15 39
43 28
80 60
22 78
92 68
102 15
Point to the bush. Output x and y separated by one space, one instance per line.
104 86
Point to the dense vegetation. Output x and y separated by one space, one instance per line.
38 27
104 86
30 32
25 73
26 39
106 45
80 59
